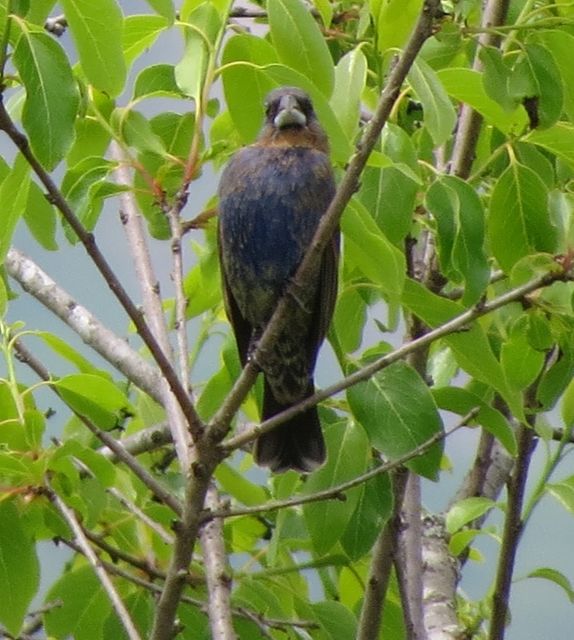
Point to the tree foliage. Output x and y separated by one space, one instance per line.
457 226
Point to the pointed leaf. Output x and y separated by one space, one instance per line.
398 412
367 248
299 42
348 449
200 37
19 568
518 221
439 114
14 196
51 95
97 29
350 76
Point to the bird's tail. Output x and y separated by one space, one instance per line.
296 444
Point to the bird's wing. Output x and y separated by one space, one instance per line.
326 296
241 327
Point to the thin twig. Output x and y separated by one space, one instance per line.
381 565
97 566
161 493
140 515
336 492
153 308
513 527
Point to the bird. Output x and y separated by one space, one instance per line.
272 196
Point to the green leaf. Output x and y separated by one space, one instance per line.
398 412
139 34
567 406
557 378
465 85
470 347
239 487
560 45
40 217
373 509
244 86
80 187
521 363
51 95
542 82
462 401
14 195
394 20
368 249
388 193
496 77
157 81
439 114
141 606
165 8
546 573
3 298
135 130
95 398
299 42
349 319
19 568
336 620
97 29
563 492
518 221
85 607
460 225
558 139
350 77
348 449
465 511
200 36
65 350
202 284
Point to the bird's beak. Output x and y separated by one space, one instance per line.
289 113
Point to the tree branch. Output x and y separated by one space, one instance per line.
98 567
470 121
381 565
97 336
440 579
513 527
217 573
153 309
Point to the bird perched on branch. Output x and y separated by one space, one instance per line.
272 195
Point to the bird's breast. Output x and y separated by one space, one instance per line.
271 201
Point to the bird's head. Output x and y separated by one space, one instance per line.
290 120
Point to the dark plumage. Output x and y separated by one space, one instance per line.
272 195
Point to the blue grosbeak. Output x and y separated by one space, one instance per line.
272 195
